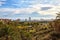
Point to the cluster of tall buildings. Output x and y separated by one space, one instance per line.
29 19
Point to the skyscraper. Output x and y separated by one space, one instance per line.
29 18
25 19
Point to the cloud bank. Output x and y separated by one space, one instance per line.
41 7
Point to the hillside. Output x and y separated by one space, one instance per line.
16 30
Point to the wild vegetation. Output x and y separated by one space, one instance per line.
16 30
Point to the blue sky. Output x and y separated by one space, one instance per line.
22 9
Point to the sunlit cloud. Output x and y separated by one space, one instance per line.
35 8
42 7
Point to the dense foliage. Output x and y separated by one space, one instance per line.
15 30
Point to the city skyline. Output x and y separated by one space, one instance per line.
23 9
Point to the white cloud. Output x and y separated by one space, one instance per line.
33 8
2 2
21 10
51 11
41 18
18 10
54 2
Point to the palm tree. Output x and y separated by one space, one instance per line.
58 16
